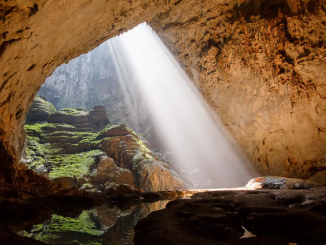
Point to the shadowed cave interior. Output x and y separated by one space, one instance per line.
211 112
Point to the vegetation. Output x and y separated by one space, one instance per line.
54 229
64 150
73 111
39 111
73 165
145 134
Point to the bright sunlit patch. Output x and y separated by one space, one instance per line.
186 123
247 234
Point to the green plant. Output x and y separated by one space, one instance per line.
145 134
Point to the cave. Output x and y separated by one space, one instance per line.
258 64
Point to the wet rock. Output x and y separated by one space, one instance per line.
281 183
222 217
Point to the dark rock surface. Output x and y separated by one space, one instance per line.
275 217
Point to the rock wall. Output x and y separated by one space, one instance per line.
260 64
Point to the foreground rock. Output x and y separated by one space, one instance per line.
279 217
280 183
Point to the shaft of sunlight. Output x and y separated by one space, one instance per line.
185 121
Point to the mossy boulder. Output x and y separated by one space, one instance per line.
69 116
96 118
39 111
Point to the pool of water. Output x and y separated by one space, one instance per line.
103 225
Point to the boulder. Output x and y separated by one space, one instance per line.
108 171
280 183
153 176
98 117
39 111
69 116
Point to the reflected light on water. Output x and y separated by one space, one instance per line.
184 120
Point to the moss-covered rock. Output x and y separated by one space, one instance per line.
56 229
96 118
39 111
75 150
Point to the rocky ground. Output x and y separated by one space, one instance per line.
272 217
292 212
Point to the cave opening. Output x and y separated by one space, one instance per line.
142 87
125 117
237 51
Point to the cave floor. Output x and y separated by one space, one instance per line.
291 217
266 217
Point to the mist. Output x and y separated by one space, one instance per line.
187 125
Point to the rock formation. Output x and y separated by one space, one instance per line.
40 111
80 149
260 64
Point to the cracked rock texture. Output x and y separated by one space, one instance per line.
260 65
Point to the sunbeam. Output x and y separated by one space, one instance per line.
187 125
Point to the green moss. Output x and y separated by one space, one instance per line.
72 112
73 165
72 134
53 229
45 105
145 134
34 129
80 109
40 128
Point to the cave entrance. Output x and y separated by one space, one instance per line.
145 90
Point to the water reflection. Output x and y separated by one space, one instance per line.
102 225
